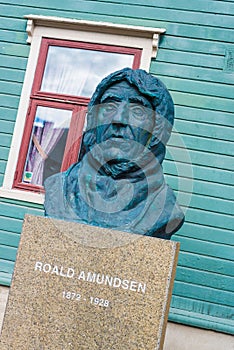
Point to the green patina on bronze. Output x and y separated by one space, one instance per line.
118 181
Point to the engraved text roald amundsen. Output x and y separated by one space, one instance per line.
91 277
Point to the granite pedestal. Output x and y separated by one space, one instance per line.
82 287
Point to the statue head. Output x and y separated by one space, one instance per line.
129 105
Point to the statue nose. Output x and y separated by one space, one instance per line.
122 114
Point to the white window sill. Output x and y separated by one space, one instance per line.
37 198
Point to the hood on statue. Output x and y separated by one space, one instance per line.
150 87
118 181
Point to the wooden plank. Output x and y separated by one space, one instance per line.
205 202
17 212
199 306
4 152
6 266
203 293
194 31
15 24
8 253
212 190
15 62
5 279
10 74
200 158
209 218
8 113
202 101
216 250
13 36
203 278
204 173
9 100
18 11
224 325
5 140
12 49
8 87
206 263
11 224
205 116
191 45
23 207
191 58
9 238
198 6
6 127
199 320
218 132
2 165
25 204
205 233
200 143
197 87
191 72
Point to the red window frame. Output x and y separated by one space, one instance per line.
77 104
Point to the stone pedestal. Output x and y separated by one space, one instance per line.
82 287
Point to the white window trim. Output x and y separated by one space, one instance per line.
145 38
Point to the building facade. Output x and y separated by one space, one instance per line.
189 46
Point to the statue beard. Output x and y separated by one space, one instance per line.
120 158
118 169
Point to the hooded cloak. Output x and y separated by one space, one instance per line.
132 195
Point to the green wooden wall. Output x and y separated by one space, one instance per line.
195 61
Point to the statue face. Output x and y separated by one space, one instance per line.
124 116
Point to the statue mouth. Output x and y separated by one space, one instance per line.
117 161
119 136
116 137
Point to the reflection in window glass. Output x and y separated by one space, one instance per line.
47 144
77 72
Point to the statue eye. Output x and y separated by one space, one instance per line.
110 108
138 111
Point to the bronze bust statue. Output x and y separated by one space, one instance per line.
118 180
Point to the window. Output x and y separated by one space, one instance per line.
66 76
68 58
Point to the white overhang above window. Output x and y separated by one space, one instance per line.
97 27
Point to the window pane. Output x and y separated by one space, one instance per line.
47 144
78 71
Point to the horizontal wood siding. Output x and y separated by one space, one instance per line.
11 219
191 61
